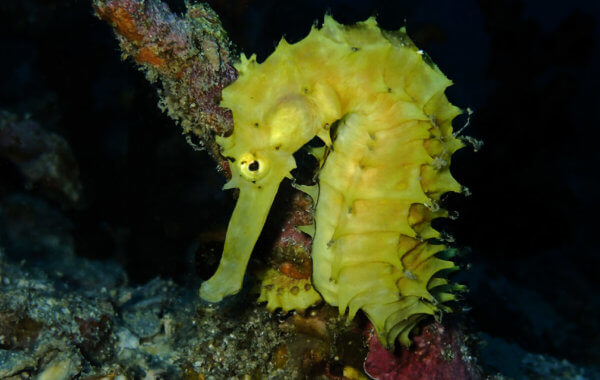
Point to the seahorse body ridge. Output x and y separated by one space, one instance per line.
382 177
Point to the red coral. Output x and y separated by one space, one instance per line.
438 353
293 245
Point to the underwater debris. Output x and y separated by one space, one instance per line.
47 325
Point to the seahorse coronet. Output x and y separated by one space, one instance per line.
378 103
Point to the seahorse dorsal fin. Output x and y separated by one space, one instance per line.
323 134
318 153
312 191
308 229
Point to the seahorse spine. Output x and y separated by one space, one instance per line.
380 183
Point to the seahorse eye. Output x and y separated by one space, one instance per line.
252 168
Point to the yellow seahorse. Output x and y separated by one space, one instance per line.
378 187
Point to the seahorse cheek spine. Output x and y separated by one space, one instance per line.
387 166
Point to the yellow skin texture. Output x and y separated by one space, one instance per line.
283 292
387 166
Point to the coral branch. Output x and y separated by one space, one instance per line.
188 55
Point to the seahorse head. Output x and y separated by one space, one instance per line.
261 147
271 122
